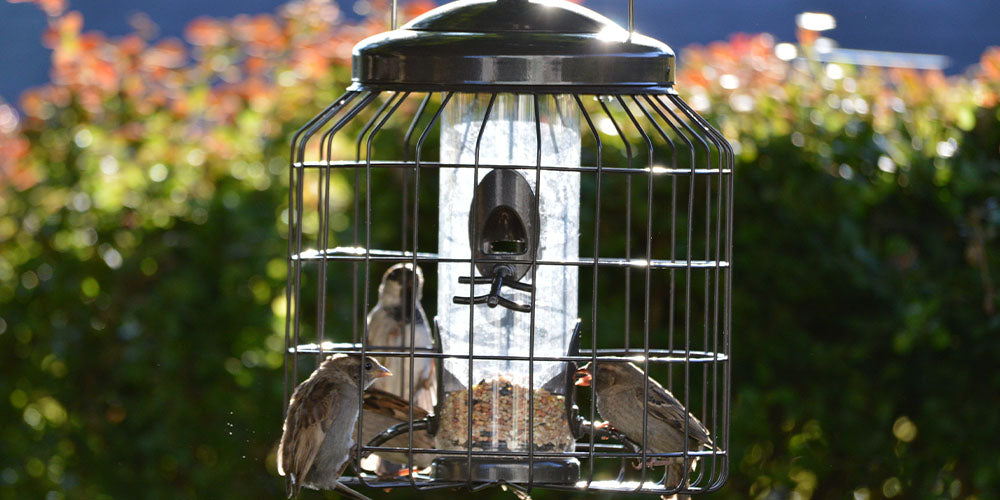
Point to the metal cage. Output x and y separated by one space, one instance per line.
654 272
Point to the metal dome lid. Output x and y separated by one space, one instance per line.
513 44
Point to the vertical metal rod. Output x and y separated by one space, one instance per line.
593 302
725 161
628 223
393 16
304 133
371 123
708 279
368 216
299 190
708 153
404 226
355 232
292 270
721 144
534 286
673 228
631 18
322 240
325 139
413 283
472 273
689 229
367 280
404 204
687 314
649 250
416 205
359 315
297 268
728 324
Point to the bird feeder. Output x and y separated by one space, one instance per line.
566 205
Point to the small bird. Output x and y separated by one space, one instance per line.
383 410
316 437
389 328
619 389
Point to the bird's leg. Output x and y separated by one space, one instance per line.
356 465
349 492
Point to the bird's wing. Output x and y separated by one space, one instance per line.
665 407
309 418
391 405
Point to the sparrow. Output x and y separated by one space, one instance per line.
383 410
619 390
389 324
316 437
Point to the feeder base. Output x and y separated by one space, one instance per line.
507 470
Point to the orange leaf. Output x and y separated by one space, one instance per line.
206 31
52 8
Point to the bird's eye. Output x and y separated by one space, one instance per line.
368 365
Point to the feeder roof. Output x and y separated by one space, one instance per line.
513 45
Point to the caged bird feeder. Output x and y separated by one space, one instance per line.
565 205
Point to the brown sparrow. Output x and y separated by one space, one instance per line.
619 388
383 410
389 324
316 438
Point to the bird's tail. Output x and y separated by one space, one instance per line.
348 492
674 477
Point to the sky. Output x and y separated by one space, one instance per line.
962 29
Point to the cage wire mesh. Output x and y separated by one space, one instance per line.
656 182
646 260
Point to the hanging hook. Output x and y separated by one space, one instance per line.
631 18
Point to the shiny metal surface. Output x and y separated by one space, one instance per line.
546 43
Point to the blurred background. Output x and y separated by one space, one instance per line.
143 188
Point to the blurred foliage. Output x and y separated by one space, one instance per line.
142 262
867 213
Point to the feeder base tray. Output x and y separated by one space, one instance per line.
507 470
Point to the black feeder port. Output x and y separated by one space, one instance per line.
504 236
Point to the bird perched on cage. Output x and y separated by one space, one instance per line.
619 389
316 437
392 321
383 410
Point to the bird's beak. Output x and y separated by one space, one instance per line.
382 372
583 378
